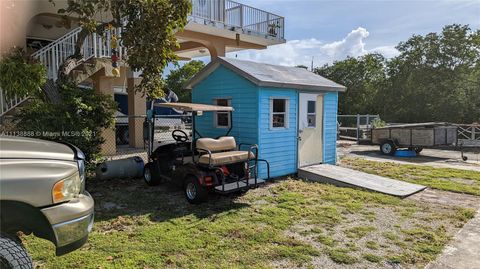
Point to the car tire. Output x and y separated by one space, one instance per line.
12 254
151 174
388 148
194 192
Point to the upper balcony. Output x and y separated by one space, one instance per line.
249 27
234 16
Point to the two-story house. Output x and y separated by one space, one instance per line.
215 27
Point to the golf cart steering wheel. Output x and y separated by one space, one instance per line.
179 136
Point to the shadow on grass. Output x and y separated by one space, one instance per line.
116 198
418 159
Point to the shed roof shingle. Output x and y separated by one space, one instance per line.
269 75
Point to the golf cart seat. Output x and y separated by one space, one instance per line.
221 151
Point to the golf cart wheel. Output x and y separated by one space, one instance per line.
194 192
12 254
388 148
151 174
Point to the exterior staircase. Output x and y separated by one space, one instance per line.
55 53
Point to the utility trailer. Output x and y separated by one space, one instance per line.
415 136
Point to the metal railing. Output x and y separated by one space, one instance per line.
233 14
7 104
468 135
54 54
355 127
94 46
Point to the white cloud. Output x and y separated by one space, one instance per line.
300 52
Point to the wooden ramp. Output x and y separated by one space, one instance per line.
345 177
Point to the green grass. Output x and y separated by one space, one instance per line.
372 245
359 231
372 257
326 240
153 227
341 255
447 179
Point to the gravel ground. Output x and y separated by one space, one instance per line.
430 157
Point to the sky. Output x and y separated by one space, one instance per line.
333 30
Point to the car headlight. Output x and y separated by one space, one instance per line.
81 171
67 189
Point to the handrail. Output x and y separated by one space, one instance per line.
236 15
55 53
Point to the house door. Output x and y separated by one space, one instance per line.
310 129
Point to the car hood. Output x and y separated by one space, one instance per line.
29 148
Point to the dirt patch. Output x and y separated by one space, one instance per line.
446 198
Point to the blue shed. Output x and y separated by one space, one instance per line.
289 112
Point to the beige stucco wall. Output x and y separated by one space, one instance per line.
15 16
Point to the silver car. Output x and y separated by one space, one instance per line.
42 191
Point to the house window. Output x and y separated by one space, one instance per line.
278 113
311 113
222 118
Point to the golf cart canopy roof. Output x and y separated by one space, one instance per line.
194 107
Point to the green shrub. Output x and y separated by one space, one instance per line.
377 123
21 75
78 119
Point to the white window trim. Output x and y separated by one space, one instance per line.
312 114
215 119
287 114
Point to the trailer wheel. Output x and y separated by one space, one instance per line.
388 148
194 192
151 174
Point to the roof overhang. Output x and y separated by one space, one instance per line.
190 107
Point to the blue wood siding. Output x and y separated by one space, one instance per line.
278 146
224 83
330 108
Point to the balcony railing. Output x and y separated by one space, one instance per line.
235 15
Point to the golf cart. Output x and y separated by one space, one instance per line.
200 165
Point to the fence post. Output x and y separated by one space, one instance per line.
241 16
473 132
358 127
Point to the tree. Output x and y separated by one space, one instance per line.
435 77
79 119
177 78
363 76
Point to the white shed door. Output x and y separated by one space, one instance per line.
310 129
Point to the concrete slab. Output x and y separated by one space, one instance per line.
345 177
464 250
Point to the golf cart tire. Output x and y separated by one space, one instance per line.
388 148
12 254
151 174
198 195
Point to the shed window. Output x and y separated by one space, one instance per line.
311 113
222 118
278 113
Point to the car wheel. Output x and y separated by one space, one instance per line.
194 192
388 148
151 174
12 254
